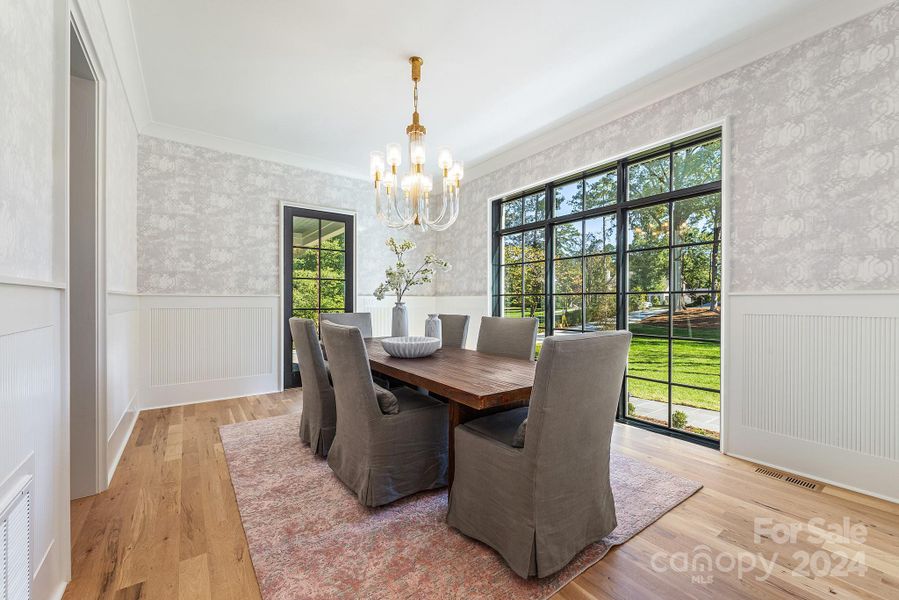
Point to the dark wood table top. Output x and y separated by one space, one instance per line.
471 378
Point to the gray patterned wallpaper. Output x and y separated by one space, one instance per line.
27 119
814 168
208 221
31 218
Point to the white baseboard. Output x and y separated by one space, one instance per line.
119 438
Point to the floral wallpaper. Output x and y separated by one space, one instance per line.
208 221
813 169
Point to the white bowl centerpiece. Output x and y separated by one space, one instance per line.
414 346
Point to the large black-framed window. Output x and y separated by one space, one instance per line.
634 244
318 271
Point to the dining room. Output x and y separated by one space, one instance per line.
573 300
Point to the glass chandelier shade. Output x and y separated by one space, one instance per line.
408 200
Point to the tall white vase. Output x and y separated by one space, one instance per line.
434 328
400 325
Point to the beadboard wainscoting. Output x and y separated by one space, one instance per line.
200 348
122 372
813 386
33 442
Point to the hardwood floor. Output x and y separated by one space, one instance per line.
168 527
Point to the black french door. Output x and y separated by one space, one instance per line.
318 271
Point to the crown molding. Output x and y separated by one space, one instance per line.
755 43
243 148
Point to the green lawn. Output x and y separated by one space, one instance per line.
695 363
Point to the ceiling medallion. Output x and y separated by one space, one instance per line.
407 201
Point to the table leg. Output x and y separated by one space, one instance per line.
455 418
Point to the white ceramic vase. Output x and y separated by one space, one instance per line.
434 328
400 325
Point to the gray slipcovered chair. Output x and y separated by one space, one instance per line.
318 422
454 329
360 320
540 504
381 457
505 336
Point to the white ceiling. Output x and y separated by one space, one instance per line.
325 82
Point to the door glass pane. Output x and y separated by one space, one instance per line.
647 401
697 316
647 271
647 227
305 262
568 198
697 219
305 293
569 240
696 165
511 213
600 234
648 178
332 264
648 314
601 190
601 273
696 363
511 248
568 312
333 235
600 312
700 411
333 295
568 276
305 232
535 207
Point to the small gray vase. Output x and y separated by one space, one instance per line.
434 328
400 325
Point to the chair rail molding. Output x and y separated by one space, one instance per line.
813 385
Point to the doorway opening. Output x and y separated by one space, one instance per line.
85 325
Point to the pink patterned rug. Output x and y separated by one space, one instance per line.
310 538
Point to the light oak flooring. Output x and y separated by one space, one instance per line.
168 526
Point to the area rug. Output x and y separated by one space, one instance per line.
310 538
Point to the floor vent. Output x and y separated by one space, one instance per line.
807 484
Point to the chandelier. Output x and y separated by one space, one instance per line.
403 201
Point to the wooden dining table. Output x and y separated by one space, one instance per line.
474 384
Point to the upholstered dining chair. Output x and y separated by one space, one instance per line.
318 421
454 329
533 482
389 444
360 320
505 336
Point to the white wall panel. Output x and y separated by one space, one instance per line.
198 348
814 386
31 426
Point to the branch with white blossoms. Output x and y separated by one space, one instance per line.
400 278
